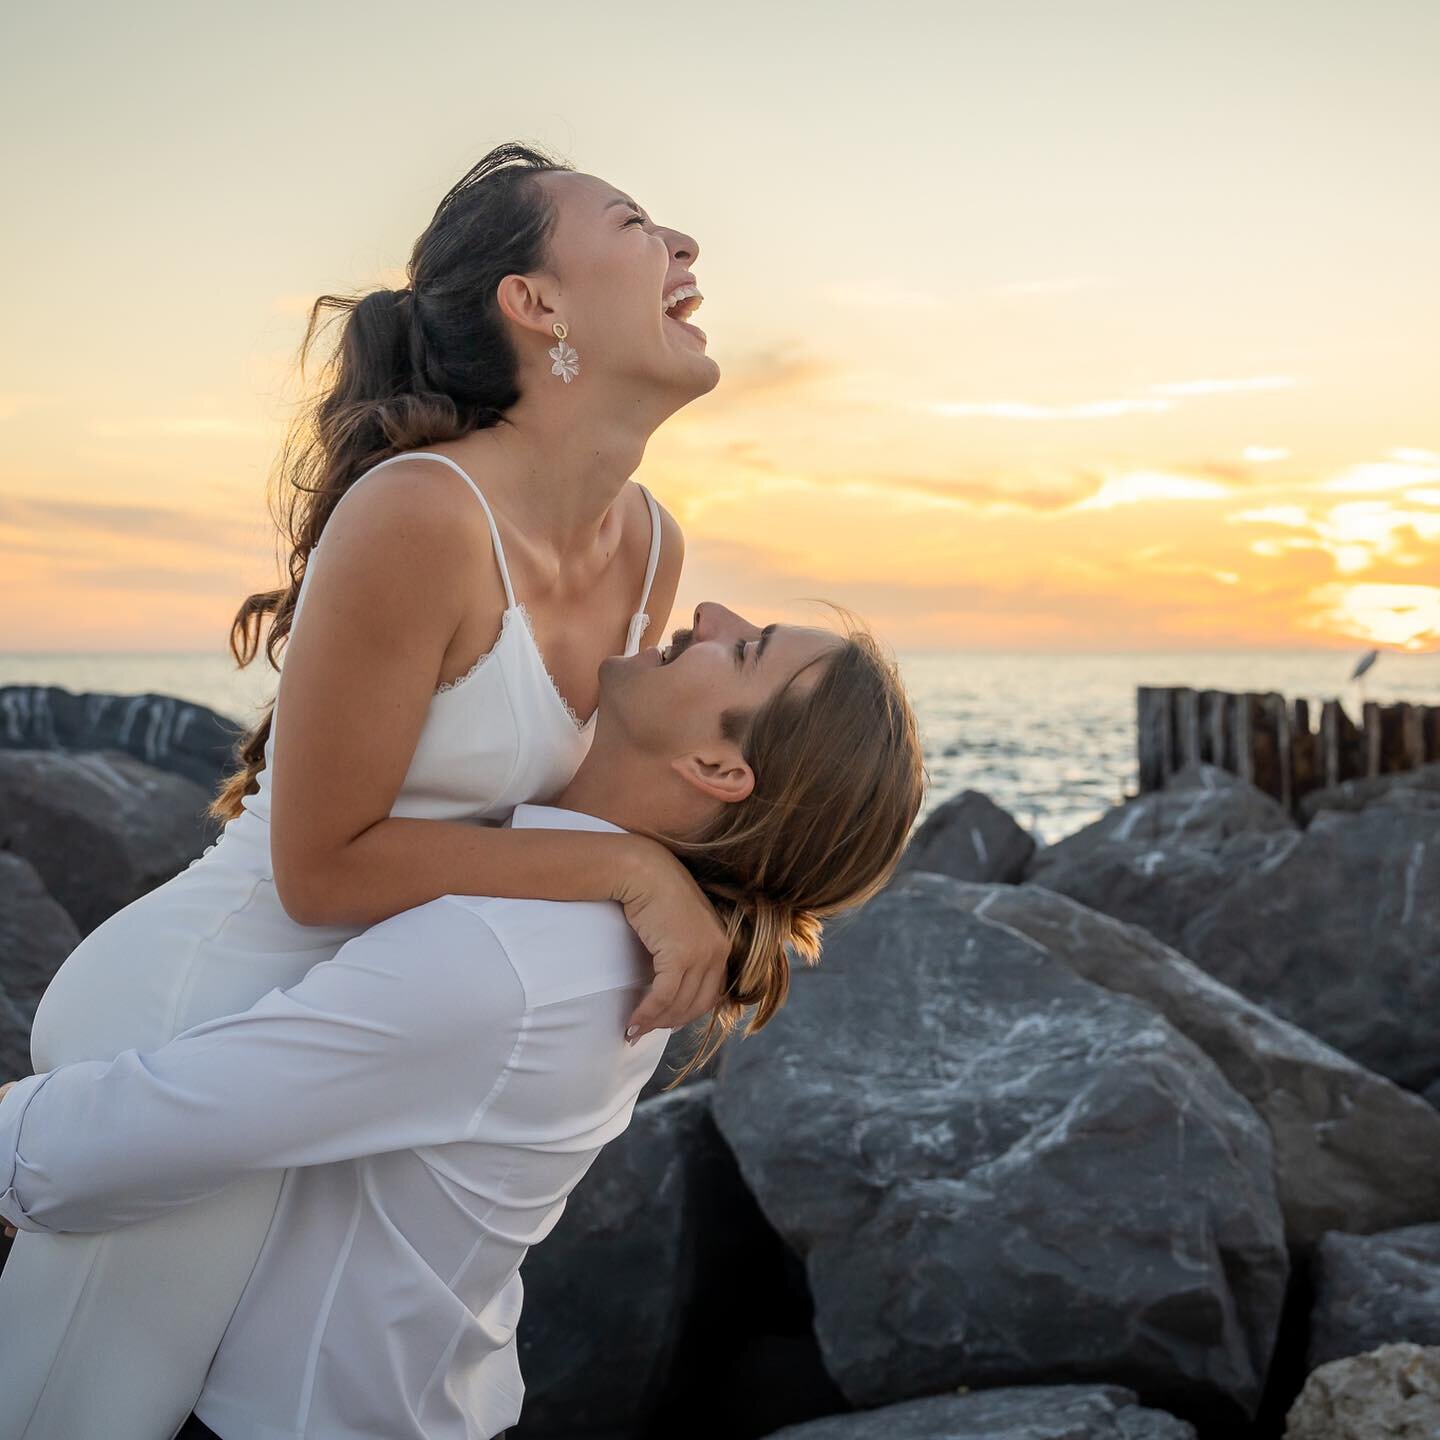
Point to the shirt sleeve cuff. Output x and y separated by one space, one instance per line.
12 1115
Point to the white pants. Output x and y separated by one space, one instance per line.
109 1336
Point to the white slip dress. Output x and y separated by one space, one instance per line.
109 1336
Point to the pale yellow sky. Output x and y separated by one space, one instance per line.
1078 325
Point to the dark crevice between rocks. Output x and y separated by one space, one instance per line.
748 1362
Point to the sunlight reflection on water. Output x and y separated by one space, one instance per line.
1049 737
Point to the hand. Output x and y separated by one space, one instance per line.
679 927
9 1084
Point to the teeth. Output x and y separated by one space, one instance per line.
683 292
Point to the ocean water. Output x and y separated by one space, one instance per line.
1050 736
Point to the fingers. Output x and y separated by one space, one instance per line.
10 1230
675 999
708 991
646 1015
686 999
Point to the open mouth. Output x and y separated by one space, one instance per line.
684 302
686 325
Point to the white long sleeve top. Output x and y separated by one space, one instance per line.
434 1092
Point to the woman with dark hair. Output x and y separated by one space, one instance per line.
436 1090
496 407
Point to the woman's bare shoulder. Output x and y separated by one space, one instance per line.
672 538
415 492
414 511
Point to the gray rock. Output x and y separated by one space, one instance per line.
1419 786
102 829
1353 1150
610 1293
35 936
170 734
1392 1393
1371 1290
678 1050
1335 928
971 838
1020 1412
1200 805
998 1173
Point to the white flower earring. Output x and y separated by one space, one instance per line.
566 357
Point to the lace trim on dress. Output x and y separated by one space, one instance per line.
519 609
575 720
461 679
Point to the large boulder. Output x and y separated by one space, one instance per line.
170 734
678 1050
1353 1150
607 1293
1018 1412
1371 1290
1392 1393
36 934
102 829
1200 805
660 1274
1336 927
1000 1173
1419 786
971 838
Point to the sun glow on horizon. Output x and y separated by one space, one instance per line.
1125 368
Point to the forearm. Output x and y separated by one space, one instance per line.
389 1045
56 1177
400 862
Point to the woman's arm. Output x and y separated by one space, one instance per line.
402 558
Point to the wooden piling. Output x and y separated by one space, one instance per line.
1262 738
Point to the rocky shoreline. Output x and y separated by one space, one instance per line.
1133 1135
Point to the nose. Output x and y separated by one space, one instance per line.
714 621
682 246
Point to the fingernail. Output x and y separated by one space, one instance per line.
632 1034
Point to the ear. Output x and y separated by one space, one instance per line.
719 773
519 297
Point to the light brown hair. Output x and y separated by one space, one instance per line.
839 780
412 367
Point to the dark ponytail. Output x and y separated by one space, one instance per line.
412 367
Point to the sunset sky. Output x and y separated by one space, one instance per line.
1058 325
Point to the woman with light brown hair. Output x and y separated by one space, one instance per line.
467 461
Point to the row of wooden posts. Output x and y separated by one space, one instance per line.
1271 743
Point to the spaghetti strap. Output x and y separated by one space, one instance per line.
485 504
640 621
489 515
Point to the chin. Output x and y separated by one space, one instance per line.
700 378
714 368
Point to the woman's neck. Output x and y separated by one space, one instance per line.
557 469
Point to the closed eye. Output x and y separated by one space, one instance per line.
634 220
740 652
